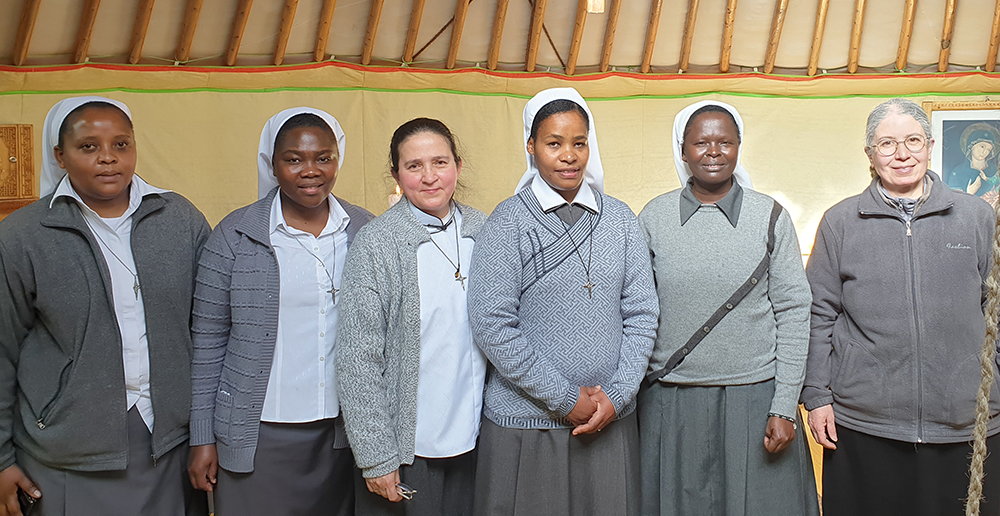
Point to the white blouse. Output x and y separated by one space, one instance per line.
452 368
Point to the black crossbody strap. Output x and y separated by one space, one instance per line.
726 307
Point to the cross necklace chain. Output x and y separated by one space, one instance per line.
586 266
333 290
135 276
458 251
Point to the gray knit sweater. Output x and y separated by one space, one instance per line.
700 264
234 327
378 337
536 323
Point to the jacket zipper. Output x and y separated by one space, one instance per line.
63 379
916 324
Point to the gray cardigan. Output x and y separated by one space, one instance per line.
897 317
235 326
378 339
62 393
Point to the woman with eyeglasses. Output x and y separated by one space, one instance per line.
898 276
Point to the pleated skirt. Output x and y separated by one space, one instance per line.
144 487
703 454
553 473
297 471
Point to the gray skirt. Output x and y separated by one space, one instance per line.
703 454
297 471
144 487
553 473
444 487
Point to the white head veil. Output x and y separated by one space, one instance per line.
681 120
594 175
51 172
265 150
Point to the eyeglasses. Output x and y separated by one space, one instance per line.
887 146
405 491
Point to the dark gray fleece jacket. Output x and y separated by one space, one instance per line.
897 315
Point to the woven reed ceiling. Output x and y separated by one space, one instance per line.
797 37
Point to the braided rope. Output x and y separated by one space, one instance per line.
979 451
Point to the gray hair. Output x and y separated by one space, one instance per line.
899 106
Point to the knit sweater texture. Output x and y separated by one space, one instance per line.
378 337
235 326
62 389
536 322
700 264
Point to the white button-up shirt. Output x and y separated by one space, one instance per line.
114 236
302 386
452 368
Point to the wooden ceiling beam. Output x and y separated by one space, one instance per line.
191 14
498 22
651 29
25 28
369 45
855 49
574 47
946 32
239 26
139 31
727 35
535 34
411 33
777 23
609 34
456 32
287 19
323 31
692 17
909 13
991 56
824 6
86 30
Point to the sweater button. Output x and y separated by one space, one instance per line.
685 350
707 329
729 306
753 281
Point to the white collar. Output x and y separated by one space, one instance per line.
430 220
549 198
138 189
337 221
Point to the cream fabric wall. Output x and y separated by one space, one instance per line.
806 151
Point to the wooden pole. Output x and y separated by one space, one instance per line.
651 29
824 5
609 34
25 28
991 56
946 33
904 35
239 26
855 50
574 47
369 44
692 17
86 30
411 33
323 32
139 31
497 37
287 18
191 14
727 35
461 9
535 34
777 23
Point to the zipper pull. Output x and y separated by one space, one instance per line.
908 231
41 425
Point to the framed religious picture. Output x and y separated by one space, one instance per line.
17 174
967 146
